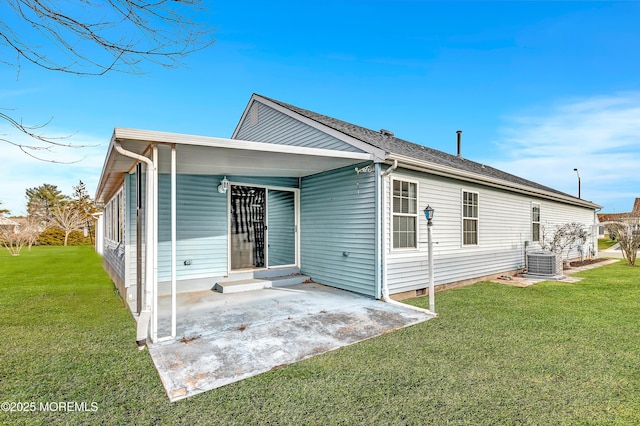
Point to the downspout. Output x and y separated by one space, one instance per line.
144 318
383 237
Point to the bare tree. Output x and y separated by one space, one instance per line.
94 37
68 218
12 238
628 236
564 237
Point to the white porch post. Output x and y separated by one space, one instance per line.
173 242
153 246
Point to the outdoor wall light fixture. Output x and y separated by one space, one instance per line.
224 186
428 213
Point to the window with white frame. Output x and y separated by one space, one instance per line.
405 214
469 218
535 222
114 218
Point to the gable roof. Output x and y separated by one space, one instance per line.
622 217
401 149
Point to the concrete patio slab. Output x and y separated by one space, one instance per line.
224 338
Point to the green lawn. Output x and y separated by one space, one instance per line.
605 243
553 353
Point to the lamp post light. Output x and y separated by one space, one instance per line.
428 214
578 173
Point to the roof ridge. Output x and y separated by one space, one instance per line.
395 145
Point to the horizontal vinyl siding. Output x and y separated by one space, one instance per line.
276 127
116 261
201 219
504 226
335 218
130 229
281 227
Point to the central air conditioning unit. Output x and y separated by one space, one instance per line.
541 263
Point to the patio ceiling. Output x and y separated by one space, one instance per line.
208 155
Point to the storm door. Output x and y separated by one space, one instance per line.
281 230
248 227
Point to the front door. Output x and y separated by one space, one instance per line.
248 227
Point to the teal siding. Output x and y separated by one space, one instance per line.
285 182
276 127
201 221
281 227
336 218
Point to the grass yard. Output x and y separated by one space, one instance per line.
605 243
553 353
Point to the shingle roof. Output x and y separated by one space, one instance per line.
399 146
5 221
612 217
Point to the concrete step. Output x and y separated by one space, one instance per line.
286 280
249 284
261 274
275 272
237 286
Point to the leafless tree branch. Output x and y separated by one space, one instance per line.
48 141
93 38
62 36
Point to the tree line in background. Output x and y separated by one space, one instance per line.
53 218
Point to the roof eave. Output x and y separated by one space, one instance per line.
446 171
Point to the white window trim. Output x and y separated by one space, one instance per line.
533 204
113 221
392 214
463 217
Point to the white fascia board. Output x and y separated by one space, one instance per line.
242 118
446 171
103 174
207 141
378 154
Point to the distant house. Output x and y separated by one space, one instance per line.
8 225
294 191
631 218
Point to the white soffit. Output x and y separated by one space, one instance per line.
208 155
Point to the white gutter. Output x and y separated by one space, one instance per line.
144 319
385 288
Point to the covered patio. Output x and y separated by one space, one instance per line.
150 155
224 338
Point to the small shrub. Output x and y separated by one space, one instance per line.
55 237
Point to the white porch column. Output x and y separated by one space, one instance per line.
173 242
152 243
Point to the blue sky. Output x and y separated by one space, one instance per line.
538 88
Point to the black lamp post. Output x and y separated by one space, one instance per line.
578 173
428 214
